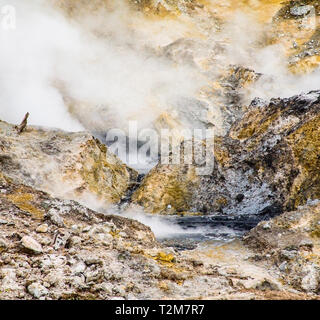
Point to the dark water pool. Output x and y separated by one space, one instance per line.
212 228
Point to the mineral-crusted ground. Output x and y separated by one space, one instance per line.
58 249
266 156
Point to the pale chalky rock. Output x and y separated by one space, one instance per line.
43 228
31 245
37 290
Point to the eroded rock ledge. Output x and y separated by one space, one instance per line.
69 165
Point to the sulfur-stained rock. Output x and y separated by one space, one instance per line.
69 165
266 164
281 142
167 189
109 256
161 7
297 23
164 7
292 241
266 161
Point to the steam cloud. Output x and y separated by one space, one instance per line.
91 73
98 70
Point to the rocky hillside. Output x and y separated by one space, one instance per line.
266 153
58 249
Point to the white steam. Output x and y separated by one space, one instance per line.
271 61
100 69
160 227
28 67
92 73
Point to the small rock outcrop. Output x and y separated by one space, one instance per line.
69 165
